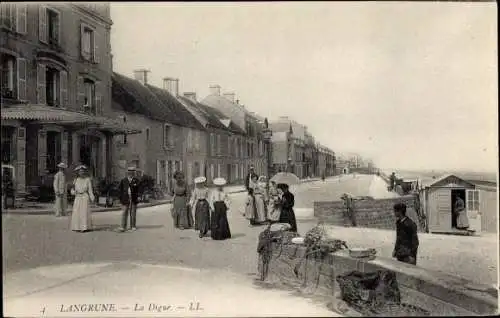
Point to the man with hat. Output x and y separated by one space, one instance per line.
60 190
129 197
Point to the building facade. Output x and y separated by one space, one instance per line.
249 148
172 139
223 142
327 164
300 148
56 89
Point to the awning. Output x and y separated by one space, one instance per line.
45 114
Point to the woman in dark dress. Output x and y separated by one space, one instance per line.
181 213
287 201
199 204
219 203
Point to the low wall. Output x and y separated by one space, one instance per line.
437 293
369 213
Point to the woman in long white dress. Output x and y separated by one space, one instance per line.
81 220
258 192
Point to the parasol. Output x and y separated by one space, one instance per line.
286 178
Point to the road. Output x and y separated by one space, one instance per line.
34 242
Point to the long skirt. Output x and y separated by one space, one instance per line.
202 217
260 205
462 220
81 219
288 216
220 225
181 213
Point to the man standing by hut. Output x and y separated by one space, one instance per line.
60 191
405 249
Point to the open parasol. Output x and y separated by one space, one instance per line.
286 178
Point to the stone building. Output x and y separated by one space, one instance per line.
223 157
250 148
172 138
56 89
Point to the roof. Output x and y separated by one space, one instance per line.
222 118
155 103
436 182
210 117
133 97
48 114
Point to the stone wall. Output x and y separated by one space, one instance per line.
437 293
369 213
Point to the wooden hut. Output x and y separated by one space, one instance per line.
437 200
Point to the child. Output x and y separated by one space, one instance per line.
250 208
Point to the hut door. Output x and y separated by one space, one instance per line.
440 210
473 213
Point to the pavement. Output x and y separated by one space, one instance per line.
41 258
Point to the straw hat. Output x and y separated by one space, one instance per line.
199 180
220 181
131 169
62 165
81 167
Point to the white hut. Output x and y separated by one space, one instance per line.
437 200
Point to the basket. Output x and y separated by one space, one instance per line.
360 252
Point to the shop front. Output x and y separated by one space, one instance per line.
38 137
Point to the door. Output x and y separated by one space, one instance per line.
473 210
170 177
228 173
440 210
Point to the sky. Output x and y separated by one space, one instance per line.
409 85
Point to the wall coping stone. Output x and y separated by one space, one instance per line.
451 289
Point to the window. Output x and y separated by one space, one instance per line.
212 144
219 145
218 170
8 76
212 171
147 134
53 26
473 200
197 136
52 86
197 170
167 136
87 43
53 157
89 98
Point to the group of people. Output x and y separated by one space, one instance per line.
210 207
273 206
82 190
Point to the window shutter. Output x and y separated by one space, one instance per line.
42 23
82 39
40 78
97 57
21 79
81 92
21 15
98 104
158 169
64 88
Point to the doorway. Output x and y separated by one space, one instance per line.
456 193
89 154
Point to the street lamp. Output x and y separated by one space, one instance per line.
267 134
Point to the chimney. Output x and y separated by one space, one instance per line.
230 96
171 85
190 95
215 90
141 75
238 101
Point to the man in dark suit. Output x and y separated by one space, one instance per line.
129 194
405 249
251 173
